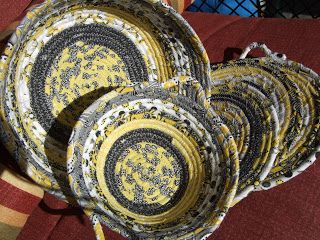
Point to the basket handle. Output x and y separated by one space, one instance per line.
265 49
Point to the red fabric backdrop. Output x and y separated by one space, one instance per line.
290 211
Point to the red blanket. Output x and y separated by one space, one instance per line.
290 211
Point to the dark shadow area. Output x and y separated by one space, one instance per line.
62 133
68 211
3 43
51 206
58 130
231 53
8 161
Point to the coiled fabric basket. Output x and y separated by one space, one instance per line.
66 54
265 98
150 162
